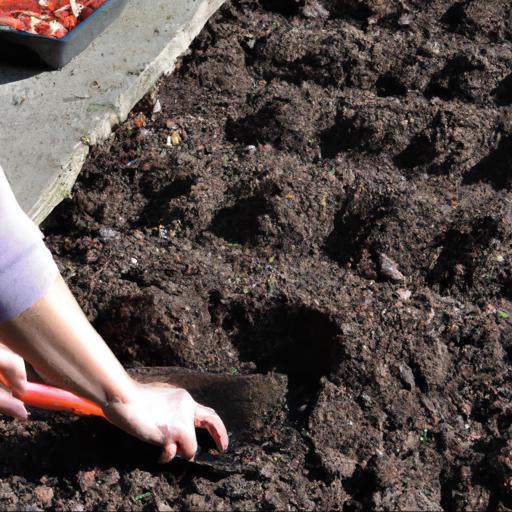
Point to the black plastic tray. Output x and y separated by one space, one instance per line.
58 52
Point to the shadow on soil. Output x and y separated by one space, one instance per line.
70 445
459 248
495 168
79 444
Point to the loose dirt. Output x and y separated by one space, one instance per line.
325 197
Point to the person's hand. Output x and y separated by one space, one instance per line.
167 416
13 378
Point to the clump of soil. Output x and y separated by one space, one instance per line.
336 207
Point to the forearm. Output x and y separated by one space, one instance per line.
40 319
56 338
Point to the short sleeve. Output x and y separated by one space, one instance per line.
27 268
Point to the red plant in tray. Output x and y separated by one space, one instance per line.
53 18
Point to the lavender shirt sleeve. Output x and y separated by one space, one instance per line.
27 268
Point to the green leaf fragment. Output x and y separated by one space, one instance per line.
503 314
425 436
142 496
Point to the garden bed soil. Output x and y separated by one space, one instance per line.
327 198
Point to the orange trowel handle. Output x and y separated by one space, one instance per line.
55 399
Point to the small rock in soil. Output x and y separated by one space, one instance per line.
406 376
389 269
314 9
44 494
109 233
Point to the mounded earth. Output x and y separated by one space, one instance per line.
321 191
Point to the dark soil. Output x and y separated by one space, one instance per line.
338 208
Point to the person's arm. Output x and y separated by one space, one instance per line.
53 334
56 338
27 269
39 317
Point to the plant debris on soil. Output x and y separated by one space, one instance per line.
322 190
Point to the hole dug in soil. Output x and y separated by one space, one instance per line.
262 215
462 251
390 85
152 327
455 81
361 213
424 147
295 340
244 222
442 147
353 9
345 135
283 115
366 123
479 20
504 92
161 207
457 19
495 168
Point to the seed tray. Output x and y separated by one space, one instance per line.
56 53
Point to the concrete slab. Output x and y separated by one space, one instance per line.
48 119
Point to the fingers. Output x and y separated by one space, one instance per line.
12 370
181 439
187 445
207 418
168 453
14 376
12 406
